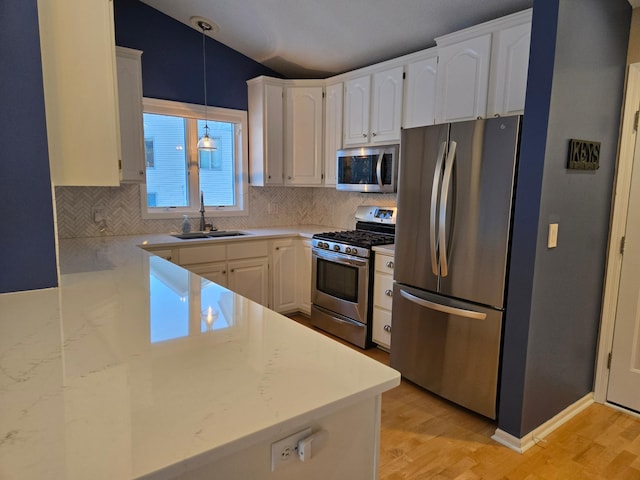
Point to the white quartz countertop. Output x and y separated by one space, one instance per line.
136 368
386 249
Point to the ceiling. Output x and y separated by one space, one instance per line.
321 38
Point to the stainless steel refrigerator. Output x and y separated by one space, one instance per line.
455 195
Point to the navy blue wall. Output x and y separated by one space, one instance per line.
172 59
27 239
575 88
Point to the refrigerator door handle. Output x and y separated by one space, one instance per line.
379 169
460 312
444 199
437 175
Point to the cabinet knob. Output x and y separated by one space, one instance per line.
364 135
390 264
168 258
233 270
373 134
224 272
388 292
289 178
277 248
387 328
141 172
268 176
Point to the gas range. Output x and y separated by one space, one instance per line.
352 242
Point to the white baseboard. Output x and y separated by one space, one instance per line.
523 444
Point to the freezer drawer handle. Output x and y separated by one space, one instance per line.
461 312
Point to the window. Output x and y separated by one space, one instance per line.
177 172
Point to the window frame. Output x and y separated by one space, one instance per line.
241 144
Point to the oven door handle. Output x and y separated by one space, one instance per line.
339 258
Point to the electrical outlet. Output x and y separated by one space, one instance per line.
284 451
99 214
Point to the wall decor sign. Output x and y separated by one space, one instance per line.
583 155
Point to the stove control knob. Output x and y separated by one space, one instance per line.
324 245
354 251
347 250
336 248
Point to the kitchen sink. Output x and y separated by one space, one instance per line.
215 234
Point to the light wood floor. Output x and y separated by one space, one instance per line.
426 437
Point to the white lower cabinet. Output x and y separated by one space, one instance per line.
382 300
216 272
250 278
285 258
303 276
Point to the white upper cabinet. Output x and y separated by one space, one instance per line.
357 95
80 90
373 108
303 135
482 70
266 130
463 79
332 130
130 108
420 91
509 68
386 106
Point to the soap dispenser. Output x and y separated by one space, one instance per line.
186 226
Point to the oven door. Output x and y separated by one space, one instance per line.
340 283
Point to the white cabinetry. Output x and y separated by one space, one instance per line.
250 278
303 276
80 91
463 79
509 67
373 108
482 70
215 271
420 91
285 255
130 109
266 123
332 130
303 135
382 300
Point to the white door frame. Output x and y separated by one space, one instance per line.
620 206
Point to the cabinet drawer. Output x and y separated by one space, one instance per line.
381 333
240 250
167 254
203 254
384 263
383 290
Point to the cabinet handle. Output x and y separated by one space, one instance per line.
390 264
387 328
373 134
388 292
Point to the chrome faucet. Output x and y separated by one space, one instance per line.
202 222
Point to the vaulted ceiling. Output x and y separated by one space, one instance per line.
320 38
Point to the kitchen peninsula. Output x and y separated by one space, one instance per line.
136 368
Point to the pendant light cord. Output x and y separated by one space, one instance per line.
205 26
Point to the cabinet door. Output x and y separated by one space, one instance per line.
420 93
284 275
463 79
130 109
386 106
356 110
332 131
303 136
250 278
509 69
304 276
80 91
215 272
266 128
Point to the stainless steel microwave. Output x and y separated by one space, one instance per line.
367 169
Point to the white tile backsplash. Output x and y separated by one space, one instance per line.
268 206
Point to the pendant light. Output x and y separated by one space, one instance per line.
206 142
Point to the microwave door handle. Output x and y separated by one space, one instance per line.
379 170
435 190
460 312
444 200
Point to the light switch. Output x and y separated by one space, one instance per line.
552 241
